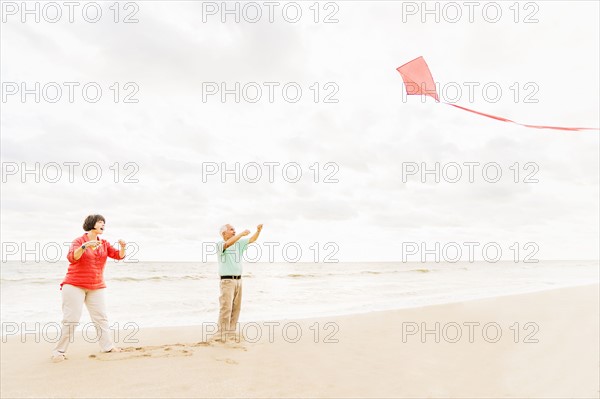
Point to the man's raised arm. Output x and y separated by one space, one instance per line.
235 239
255 235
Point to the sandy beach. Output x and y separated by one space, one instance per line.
553 351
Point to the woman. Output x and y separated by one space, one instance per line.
84 283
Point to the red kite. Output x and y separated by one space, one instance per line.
418 81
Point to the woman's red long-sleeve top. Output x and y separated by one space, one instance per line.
88 271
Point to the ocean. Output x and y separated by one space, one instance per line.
153 294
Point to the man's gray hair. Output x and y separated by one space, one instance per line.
223 229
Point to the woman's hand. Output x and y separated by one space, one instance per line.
78 253
123 244
92 244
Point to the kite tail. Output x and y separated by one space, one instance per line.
499 118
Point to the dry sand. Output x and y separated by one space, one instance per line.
371 358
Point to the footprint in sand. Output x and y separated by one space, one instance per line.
158 351
148 351
228 361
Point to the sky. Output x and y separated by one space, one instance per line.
169 133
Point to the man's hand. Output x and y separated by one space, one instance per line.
245 232
259 227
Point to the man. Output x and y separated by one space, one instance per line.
229 256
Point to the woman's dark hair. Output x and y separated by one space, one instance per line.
90 222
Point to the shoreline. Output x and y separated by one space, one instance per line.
335 314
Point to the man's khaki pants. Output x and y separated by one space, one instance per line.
73 299
230 303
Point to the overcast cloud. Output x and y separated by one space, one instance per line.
369 133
